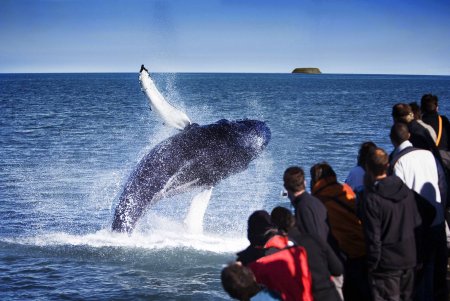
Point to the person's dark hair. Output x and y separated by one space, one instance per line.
282 218
239 282
321 171
429 103
364 152
399 133
416 110
294 179
377 162
260 228
401 112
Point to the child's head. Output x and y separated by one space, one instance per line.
239 281
282 218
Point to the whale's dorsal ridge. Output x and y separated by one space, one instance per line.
191 126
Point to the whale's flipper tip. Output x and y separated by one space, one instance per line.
143 68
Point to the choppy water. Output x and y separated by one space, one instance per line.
69 141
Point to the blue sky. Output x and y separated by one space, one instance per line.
338 36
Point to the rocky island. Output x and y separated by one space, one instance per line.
307 70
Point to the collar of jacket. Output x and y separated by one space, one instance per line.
299 198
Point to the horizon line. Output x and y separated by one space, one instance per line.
220 72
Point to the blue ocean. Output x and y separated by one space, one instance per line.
69 142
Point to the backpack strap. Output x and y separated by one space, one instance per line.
397 157
439 134
278 242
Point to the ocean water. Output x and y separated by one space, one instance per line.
68 143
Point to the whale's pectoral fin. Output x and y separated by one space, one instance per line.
172 116
194 218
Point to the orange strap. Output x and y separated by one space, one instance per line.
439 135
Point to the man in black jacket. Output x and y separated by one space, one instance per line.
311 215
420 136
390 218
441 125
429 107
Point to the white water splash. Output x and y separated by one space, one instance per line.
174 236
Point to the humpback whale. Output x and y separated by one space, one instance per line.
196 157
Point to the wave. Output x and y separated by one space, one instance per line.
172 236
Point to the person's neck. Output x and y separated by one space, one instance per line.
379 178
299 193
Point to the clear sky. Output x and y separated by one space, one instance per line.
338 36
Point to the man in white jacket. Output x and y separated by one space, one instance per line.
421 172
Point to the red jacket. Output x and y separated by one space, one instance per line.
285 271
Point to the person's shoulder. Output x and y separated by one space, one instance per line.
309 200
308 196
416 128
424 156
444 119
309 240
391 188
415 155
266 295
356 170
392 180
250 254
303 199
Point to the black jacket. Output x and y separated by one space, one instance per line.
311 216
421 138
250 254
323 263
432 119
390 221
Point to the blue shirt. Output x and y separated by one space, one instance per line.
266 295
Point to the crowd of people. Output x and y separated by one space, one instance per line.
381 235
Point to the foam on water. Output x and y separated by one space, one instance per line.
173 235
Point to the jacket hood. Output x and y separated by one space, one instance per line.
391 188
330 188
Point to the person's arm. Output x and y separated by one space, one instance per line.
399 171
335 265
446 127
307 223
372 231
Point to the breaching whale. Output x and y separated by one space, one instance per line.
196 157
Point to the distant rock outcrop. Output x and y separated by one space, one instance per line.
307 70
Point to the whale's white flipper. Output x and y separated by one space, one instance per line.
194 218
171 115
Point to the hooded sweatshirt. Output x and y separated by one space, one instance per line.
390 219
